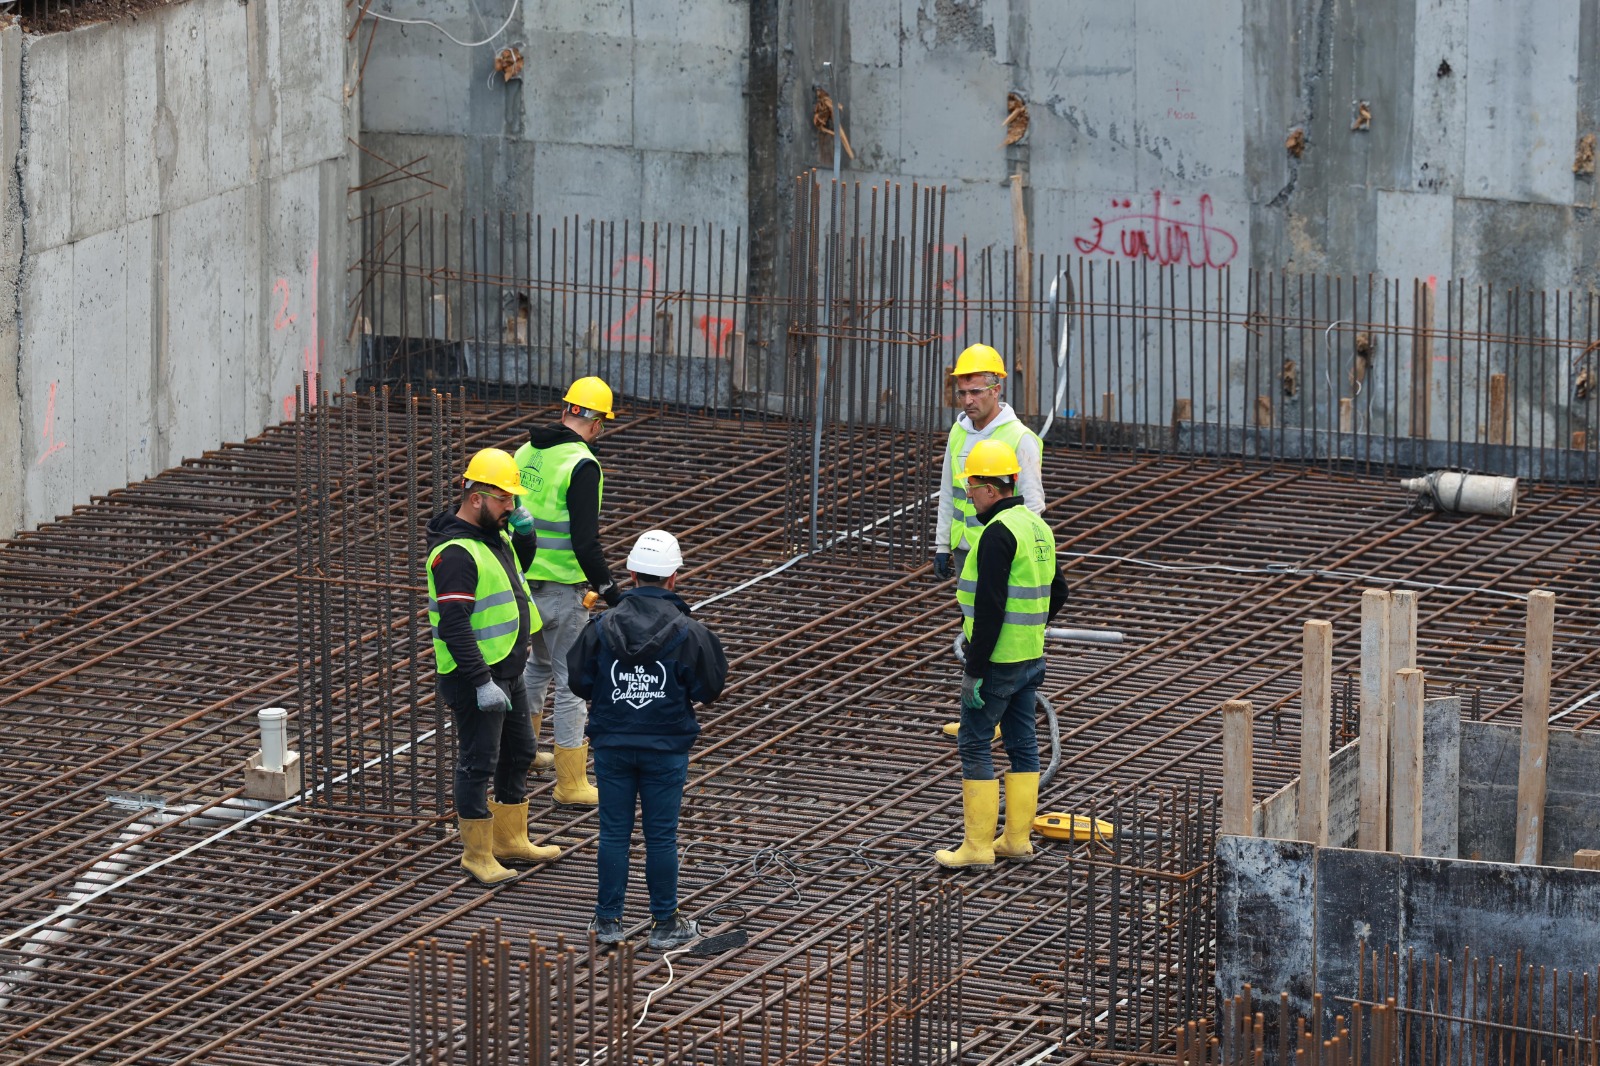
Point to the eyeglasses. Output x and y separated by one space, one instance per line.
974 393
501 496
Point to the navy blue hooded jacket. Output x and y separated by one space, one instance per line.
642 665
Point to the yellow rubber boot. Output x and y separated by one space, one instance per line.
573 788
542 760
477 842
1022 803
511 843
953 729
980 808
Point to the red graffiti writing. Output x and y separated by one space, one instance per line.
617 332
1161 235
51 445
716 331
283 319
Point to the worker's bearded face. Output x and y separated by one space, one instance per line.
492 517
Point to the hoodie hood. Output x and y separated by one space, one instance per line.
548 436
644 624
1001 417
447 526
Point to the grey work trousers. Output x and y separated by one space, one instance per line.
561 609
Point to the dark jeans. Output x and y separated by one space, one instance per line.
1008 694
655 780
491 745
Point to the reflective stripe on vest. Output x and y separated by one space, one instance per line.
546 474
964 524
1033 570
495 618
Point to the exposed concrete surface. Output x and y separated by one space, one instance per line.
182 185
1488 796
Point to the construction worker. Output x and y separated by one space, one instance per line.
1009 589
564 483
977 374
482 618
644 664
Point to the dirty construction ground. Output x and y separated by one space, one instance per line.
147 919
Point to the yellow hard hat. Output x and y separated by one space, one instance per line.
979 359
991 458
591 393
494 467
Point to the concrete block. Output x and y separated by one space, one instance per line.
578 16
960 138
875 35
94 114
418 82
1439 97
1441 776
182 127
1357 903
719 24
1522 107
306 65
1586 859
272 785
1080 137
1265 896
957 29
719 181
597 183
48 440
98 362
1551 916
1183 124
47 177
581 90
188 401
141 115
688 98
139 362
229 101
874 121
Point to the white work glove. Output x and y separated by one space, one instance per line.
491 697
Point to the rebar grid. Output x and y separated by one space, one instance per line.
139 636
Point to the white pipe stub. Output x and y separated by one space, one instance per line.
274 738
1452 490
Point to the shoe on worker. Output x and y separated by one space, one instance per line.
673 933
608 930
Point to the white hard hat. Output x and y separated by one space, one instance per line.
655 553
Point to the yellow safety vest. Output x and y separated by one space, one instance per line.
495 619
1033 568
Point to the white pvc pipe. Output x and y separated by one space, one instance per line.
274 740
1089 636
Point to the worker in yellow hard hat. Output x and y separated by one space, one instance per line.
977 376
559 469
1009 589
483 618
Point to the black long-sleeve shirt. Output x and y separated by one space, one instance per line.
455 582
996 549
583 503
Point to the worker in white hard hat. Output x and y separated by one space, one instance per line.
482 618
562 474
977 378
643 665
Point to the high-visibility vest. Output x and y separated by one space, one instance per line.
964 522
546 474
495 619
1033 568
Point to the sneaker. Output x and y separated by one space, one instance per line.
673 933
608 930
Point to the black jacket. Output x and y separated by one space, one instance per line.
583 503
455 573
996 549
643 665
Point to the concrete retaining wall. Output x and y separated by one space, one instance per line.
180 185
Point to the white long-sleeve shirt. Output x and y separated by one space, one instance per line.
1028 458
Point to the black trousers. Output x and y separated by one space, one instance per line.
491 745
